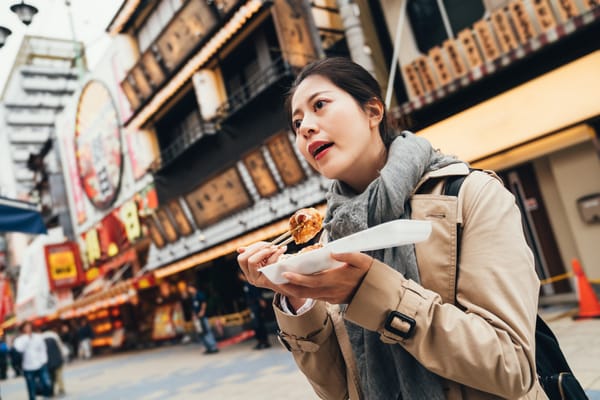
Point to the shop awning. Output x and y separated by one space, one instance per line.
109 296
20 216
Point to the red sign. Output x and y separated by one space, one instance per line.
6 298
64 265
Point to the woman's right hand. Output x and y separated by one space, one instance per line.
261 254
255 256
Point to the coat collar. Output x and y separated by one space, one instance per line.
459 168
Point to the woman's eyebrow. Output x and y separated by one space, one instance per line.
310 98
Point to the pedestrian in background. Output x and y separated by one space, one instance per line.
3 357
85 334
57 355
258 307
35 360
199 303
67 337
400 324
187 308
16 359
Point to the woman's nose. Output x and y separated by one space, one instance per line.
308 127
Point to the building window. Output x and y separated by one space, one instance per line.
427 19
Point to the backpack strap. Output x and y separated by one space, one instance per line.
451 187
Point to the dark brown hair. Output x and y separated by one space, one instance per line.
351 78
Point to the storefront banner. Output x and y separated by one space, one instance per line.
114 234
64 265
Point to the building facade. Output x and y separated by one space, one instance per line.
512 86
208 80
44 76
199 96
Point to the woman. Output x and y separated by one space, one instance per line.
414 331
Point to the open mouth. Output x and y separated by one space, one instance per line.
321 148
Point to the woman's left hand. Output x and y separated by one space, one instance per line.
335 285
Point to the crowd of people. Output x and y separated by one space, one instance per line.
39 356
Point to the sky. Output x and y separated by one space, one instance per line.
90 19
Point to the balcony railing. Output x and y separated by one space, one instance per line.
256 85
188 136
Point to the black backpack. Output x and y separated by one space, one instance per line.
553 371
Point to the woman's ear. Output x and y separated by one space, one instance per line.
375 111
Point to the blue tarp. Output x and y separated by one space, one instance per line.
20 216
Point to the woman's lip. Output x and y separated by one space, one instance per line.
315 145
322 153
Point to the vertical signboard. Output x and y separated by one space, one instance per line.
293 26
287 164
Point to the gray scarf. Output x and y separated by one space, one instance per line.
387 371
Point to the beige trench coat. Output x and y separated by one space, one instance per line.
483 342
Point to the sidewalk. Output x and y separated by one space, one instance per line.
580 342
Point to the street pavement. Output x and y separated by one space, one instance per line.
239 372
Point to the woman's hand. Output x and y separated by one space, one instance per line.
255 256
335 285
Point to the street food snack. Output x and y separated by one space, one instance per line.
310 248
305 224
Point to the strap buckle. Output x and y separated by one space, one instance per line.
404 318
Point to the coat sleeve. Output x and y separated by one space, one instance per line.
312 341
486 341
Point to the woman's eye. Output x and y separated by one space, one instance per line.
319 104
297 123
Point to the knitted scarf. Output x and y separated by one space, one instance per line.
387 371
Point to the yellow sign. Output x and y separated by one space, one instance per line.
62 265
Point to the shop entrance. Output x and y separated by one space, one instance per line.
522 182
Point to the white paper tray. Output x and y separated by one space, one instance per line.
389 234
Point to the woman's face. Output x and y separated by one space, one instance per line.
334 134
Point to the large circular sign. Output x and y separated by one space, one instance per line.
98 147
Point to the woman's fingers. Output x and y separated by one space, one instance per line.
255 256
335 285
357 260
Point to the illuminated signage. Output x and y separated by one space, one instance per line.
64 265
98 145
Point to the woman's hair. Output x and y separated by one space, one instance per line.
351 78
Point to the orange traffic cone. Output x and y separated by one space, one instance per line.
589 307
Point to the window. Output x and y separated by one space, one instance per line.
427 19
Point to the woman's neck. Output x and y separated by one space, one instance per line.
369 166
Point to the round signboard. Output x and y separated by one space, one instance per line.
98 147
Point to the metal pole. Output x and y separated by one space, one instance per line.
395 57
78 49
445 19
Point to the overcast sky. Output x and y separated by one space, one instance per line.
90 18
